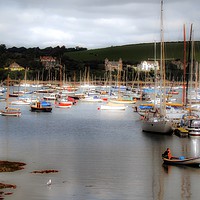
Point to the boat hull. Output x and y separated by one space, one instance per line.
113 106
123 101
184 161
14 113
20 103
59 106
194 132
92 99
157 126
64 105
43 109
104 107
193 127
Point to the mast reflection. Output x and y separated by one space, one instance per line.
195 146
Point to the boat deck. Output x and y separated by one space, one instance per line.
180 131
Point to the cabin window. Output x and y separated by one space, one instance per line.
195 123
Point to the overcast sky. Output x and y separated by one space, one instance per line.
94 23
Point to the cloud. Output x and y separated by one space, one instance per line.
92 24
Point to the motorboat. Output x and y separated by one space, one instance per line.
112 106
51 96
92 99
41 106
19 102
63 103
193 126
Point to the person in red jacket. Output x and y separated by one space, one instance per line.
167 154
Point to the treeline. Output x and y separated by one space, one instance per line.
29 58
73 69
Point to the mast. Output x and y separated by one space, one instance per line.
8 91
196 78
191 70
162 68
155 75
61 83
119 81
25 77
188 65
184 68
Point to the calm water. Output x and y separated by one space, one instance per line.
99 154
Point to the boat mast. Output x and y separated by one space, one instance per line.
155 76
191 71
188 66
184 68
162 68
8 90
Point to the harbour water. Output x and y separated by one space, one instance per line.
99 155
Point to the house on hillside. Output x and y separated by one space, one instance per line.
48 61
113 65
148 66
15 67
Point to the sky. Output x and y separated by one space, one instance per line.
95 23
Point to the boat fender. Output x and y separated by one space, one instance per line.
181 158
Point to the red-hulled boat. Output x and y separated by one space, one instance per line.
63 103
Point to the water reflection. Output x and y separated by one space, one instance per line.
99 155
166 168
169 181
195 146
185 185
184 179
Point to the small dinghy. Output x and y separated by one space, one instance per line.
193 161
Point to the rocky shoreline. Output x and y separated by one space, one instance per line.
8 166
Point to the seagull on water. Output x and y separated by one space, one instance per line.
49 182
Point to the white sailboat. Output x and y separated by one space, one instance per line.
112 106
157 121
9 111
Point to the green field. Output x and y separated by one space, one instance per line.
136 52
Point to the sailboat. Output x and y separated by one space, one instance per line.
191 121
157 121
8 111
112 106
121 99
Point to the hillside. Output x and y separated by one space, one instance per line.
134 53
77 61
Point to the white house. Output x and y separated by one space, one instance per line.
148 65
